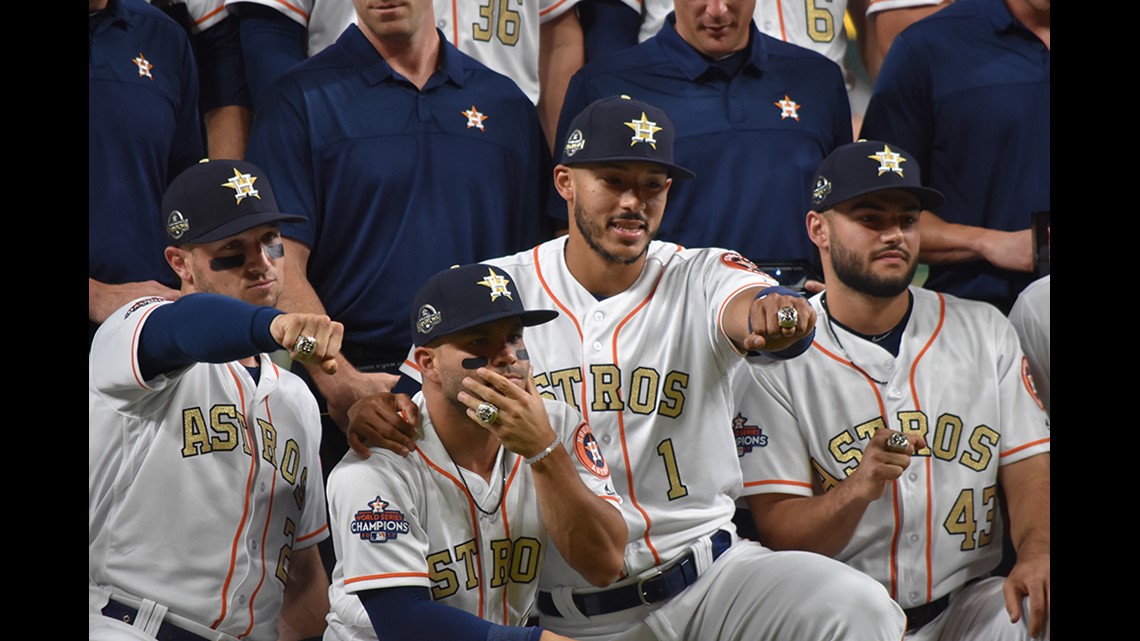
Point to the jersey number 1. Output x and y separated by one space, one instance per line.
677 489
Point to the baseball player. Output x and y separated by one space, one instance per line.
448 544
889 444
205 493
647 336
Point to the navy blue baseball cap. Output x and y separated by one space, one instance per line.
465 296
620 128
865 167
216 199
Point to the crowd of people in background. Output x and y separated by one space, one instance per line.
404 137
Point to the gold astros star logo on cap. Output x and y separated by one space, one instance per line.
643 131
888 160
497 283
243 185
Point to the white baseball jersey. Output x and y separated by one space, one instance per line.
960 380
413 522
202 483
1030 317
501 34
814 24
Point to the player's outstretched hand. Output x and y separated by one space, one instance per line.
328 334
522 425
384 420
880 466
766 334
1029 578
547 635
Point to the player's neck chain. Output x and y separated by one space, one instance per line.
835 337
502 485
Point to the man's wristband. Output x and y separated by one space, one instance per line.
544 453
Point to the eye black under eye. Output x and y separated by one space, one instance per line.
225 263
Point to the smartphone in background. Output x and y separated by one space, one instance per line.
1040 225
792 275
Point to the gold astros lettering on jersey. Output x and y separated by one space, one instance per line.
222 432
515 561
564 380
645 390
945 443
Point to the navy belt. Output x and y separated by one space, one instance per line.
664 585
920 615
166 631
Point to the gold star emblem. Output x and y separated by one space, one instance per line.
788 108
497 283
888 160
474 118
144 66
643 131
243 185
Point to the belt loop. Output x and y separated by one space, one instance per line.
702 554
563 597
150 616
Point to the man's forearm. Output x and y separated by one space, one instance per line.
561 54
589 533
822 524
1026 488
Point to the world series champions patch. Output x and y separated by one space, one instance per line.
378 524
588 452
747 436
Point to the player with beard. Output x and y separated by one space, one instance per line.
885 445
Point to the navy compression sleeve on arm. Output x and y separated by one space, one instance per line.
409 614
204 328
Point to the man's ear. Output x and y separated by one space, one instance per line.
425 360
564 181
178 257
817 229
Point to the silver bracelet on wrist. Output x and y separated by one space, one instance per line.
544 453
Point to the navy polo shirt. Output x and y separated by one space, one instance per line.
398 183
754 139
966 91
143 130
